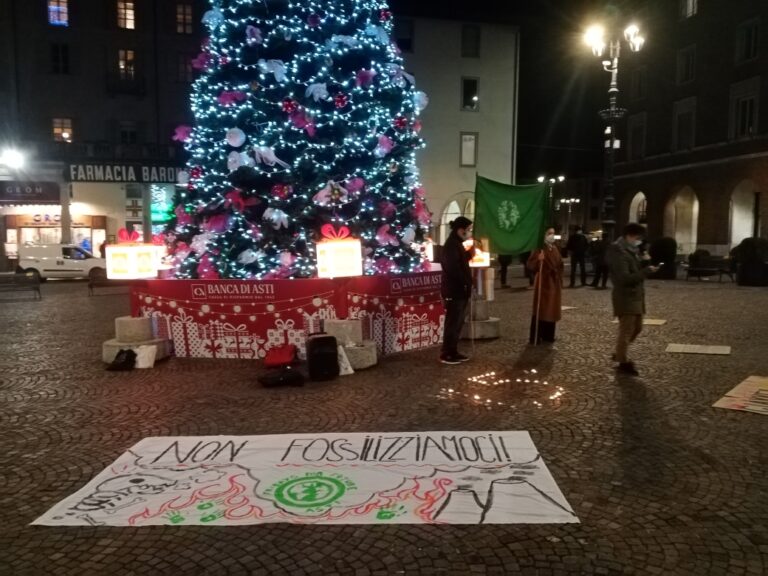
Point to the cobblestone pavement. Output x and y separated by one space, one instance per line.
662 482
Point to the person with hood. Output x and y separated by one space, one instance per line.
628 296
547 264
456 287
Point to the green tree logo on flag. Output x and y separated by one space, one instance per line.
509 215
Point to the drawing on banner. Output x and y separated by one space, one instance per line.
749 396
408 478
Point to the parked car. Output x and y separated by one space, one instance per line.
60 261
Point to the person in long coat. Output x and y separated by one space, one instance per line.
628 277
547 264
456 287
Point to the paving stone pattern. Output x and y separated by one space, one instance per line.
662 482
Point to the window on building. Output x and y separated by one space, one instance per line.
686 65
748 41
636 125
58 12
184 70
128 132
404 34
639 83
744 109
746 114
59 59
126 64
470 97
126 15
183 18
684 124
62 129
468 156
470 41
688 8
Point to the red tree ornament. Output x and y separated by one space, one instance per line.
314 20
341 100
385 15
290 106
401 123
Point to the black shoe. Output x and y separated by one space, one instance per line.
461 357
449 359
628 368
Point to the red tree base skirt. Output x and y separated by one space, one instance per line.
243 319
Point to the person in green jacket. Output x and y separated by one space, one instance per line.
628 278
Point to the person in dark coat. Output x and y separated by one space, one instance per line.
628 278
456 287
547 265
599 255
504 261
577 248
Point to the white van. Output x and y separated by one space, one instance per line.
60 261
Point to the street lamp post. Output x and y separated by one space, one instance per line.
595 39
551 187
570 202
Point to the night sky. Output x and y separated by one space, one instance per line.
562 86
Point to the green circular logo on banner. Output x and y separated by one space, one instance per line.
509 215
310 492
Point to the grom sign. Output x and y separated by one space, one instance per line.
139 173
15 192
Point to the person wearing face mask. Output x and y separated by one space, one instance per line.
547 264
628 278
456 287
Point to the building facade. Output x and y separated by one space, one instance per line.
91 92
695 163
469 71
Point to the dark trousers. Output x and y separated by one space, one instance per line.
503 267
455 311
546 331
580 260
601 274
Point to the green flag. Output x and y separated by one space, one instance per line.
511 217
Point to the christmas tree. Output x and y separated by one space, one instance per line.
304 117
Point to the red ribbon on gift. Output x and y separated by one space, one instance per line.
330 232
124 237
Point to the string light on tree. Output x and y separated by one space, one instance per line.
302 109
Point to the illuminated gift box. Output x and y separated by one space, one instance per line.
339 255
132 261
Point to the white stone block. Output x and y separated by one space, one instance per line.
130 329
482 329
346 331
362 356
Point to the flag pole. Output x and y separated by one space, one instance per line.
538 300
